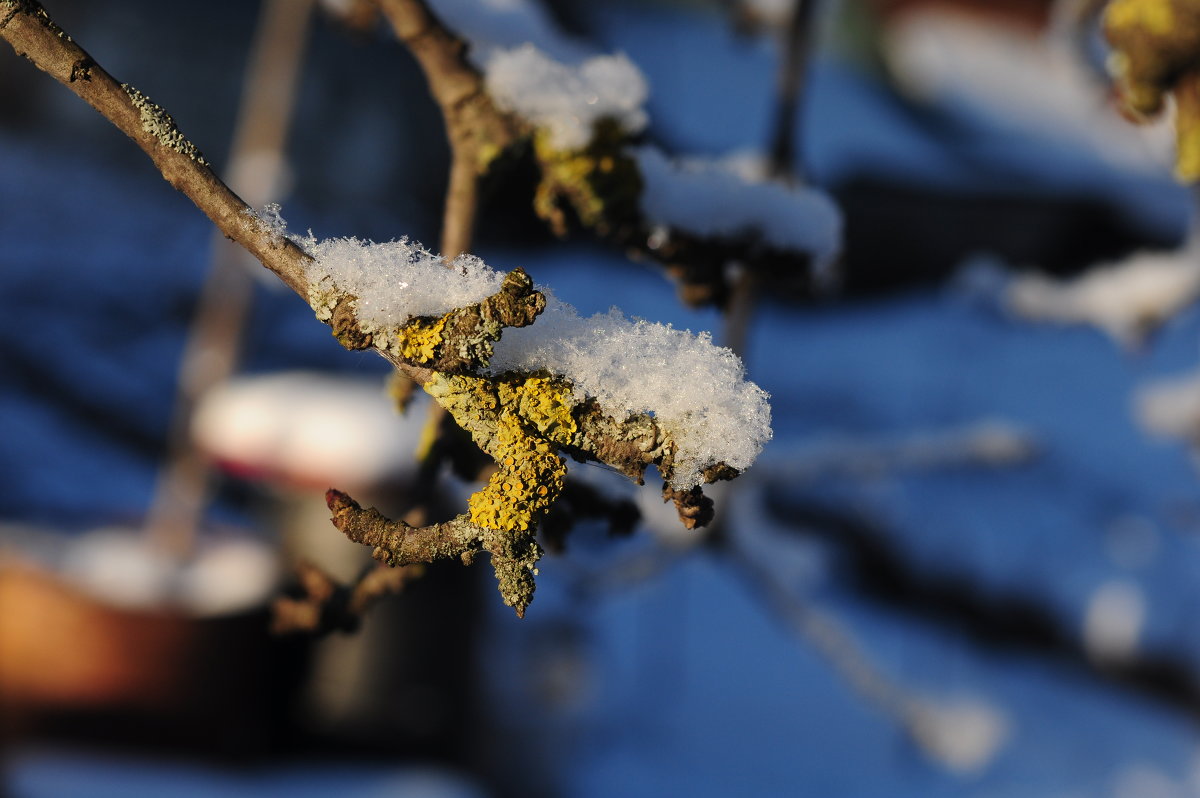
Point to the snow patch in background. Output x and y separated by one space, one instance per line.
568 101
716 198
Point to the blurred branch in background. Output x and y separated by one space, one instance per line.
326 606
257 171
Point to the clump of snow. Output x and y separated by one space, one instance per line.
567 101
394 281
1171 408
629 366
697 391
963 735
1128 299
724 199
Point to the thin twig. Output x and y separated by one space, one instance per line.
462 201
31 32
786 163
475 128
327 606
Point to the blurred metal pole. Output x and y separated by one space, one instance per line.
255 171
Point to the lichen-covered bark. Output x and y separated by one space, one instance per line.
600 184
462 339
1156 53
525 422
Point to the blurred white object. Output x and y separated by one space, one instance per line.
963 736
1038 81
1146 780
123 568
1128 300
310 429
1112 625
227 576
1171 407
119 567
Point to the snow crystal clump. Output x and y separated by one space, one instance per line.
567 101
718 199
394 281
697 391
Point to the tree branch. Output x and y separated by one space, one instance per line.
476 129
522 420
325 606
26 26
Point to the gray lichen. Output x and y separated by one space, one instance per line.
158 123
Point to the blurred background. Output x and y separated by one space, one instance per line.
967 564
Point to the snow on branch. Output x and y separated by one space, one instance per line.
716 199
583 119
602 389
567 102
1129 300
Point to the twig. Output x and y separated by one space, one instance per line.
462 202
476 129
441 354
825 635
26 26
327 606
783 158
784 164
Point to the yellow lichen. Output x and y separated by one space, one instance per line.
519 422
544 403
528 481
600 182
1153 16
418 340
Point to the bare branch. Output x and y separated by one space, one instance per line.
26 26
327 606
476 129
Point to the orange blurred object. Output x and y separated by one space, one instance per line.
75 668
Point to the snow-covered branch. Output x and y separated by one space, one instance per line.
582 120
602 389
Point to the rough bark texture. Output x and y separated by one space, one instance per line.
461 341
